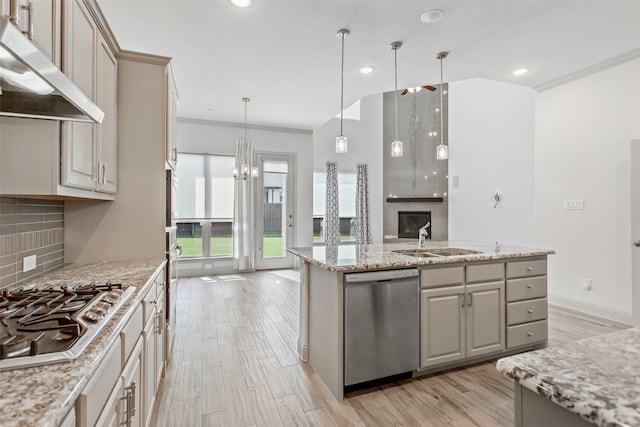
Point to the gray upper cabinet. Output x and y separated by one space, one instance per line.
48 158
89 151
78 140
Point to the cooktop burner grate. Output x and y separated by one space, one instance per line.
43 325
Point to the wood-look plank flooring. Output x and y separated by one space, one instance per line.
234 363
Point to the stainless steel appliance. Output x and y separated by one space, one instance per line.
31 85
44 325
381 324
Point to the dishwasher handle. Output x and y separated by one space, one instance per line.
380 276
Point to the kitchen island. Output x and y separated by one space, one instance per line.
46 395
464 298
586 382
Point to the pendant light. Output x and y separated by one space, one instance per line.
341 140
442 152
396 145
246 170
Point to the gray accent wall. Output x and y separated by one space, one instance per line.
30 227
417 173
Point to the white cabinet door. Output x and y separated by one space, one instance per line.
132 403
160 337
111 415
78 156
485 318
442 325
106 132
149 368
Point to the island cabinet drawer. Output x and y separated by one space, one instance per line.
485 272
434 277
527 333
527 288
130 333
526 311
528 268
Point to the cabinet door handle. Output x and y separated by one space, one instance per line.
462 298
529 268
529 286
530 334
159 322
130 404
29 9
529 311
95 174
104 172
470 299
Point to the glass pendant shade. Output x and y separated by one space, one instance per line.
254 172
442 152
341 140
396 149
341 144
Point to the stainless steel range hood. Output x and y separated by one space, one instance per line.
32 86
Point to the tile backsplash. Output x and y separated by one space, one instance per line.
30 227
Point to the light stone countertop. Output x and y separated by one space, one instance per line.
351 258
42 396
596 378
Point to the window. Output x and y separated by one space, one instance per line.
205 204
346 203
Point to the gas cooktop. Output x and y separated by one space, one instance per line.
44 325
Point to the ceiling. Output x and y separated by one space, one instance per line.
285 56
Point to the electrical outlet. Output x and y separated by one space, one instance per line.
586 284
28 263
574 204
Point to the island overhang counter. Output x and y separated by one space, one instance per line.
480 273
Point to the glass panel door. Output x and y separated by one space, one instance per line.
275 225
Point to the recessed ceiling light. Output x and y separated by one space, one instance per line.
520 71
366 69
241 3
431 16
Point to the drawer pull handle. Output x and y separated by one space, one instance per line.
529 311
529 268
529 286
530 334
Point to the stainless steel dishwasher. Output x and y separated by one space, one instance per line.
381 324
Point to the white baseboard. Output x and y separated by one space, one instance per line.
592 309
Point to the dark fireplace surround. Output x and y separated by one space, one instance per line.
410 222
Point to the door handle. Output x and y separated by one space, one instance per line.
636 242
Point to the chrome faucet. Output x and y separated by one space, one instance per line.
423 234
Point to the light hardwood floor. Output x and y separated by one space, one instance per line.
234 364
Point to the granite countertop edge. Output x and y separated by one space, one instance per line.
43 396
381 256
582 378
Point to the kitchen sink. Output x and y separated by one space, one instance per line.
436 252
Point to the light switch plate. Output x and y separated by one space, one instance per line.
574 204
28 263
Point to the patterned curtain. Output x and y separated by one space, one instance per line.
331 215
243 211
363 230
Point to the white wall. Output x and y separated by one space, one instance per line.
199 136
365 146
583 134
491 147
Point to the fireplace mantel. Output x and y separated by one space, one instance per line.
415 199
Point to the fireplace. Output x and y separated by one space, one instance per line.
409 222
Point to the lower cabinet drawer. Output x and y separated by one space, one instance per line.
528 288
527 333
526 311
